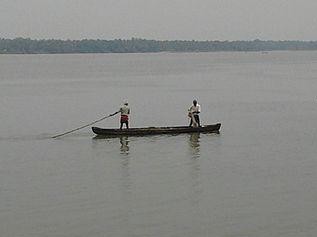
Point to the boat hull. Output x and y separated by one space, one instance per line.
214 128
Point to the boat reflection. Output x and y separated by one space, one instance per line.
124 142
194 144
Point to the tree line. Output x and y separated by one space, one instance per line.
135 45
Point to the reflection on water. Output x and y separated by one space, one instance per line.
124 141
195 170
194 145
125 175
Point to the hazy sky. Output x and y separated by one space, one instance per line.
160 19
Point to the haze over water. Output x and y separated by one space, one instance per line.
256 178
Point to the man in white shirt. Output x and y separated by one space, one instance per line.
193 113
125 112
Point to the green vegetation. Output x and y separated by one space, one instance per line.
29 46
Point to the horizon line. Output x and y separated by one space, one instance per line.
140 38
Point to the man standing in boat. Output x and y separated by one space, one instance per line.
125 112
193 113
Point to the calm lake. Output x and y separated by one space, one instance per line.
256 178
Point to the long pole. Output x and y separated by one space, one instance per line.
76 129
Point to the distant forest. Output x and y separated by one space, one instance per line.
134 45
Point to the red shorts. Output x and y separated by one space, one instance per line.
124 118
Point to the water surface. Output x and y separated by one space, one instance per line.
256 178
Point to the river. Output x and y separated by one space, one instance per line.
256 178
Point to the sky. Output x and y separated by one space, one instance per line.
159 19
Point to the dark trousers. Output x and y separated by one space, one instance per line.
124 122
196 116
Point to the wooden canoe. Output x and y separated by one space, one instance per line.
214 128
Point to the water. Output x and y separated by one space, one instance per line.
256 178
